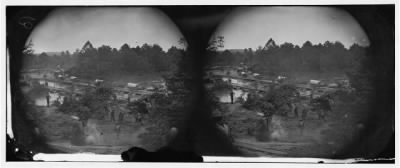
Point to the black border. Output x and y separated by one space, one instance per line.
377 21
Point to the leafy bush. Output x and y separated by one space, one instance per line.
167 110
91 105
271 102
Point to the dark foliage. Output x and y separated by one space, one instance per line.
286 58
271 102
96 62
17 153
92 104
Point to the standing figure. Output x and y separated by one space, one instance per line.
296 110
117 129
106 110
301 126
129 97
121 117
48 99
231 94
112 115
303 109
114 97
292 106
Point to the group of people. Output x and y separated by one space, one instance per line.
301 108
118 123
120 116
112 110
321 105
142 110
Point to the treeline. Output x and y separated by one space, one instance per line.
287 58
92 61
47 60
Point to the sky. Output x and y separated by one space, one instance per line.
250 27
70 28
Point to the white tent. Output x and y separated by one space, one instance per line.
315 82
132 84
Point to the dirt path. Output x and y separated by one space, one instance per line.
273 149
